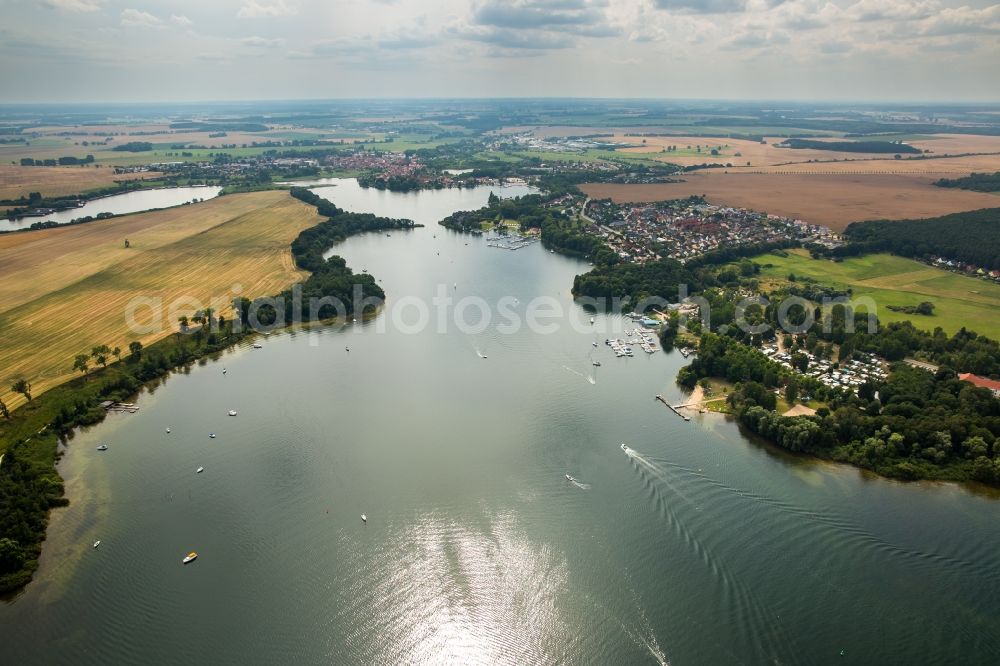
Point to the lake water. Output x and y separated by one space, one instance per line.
120 204
698 547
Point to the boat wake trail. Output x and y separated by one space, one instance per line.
580 374
578 484
758 623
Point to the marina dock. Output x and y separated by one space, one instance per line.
510 242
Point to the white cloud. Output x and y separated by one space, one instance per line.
181 20
73 5
254 9
133 18
262 42
962 21
892 10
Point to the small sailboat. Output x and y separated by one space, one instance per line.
211 435
199 470
97 543
364 518
190 557
102 447
232 412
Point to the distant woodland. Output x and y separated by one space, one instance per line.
888 147
972 237
980 182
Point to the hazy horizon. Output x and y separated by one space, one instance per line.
814 51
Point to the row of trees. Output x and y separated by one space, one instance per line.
67 160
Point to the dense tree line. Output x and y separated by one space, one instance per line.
67 160
980 182
559 231
971 237
134 147
852 146
329 278
394 183
661 279
235 126
528 211
921 425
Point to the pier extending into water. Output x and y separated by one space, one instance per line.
672 408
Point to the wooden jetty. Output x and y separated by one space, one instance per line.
672 408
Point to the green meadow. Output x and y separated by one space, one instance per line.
958 300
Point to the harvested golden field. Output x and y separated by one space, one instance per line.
18 181
66 290
940 167
738 152
831 200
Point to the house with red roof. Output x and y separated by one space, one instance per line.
982 382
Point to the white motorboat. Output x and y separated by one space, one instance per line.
168 431
591 320
223 371
199 470
597 364
364 518
190 557
211 435
257 345
102 447
97 543
624 448
232 412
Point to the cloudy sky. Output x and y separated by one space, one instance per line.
130 50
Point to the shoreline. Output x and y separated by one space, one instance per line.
113 216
